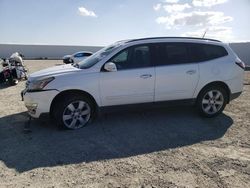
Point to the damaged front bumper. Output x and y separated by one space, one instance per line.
38 102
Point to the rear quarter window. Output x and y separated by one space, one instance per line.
206 52
213 51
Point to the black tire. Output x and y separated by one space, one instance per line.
68 61
26 76
12 82
206 105
62 110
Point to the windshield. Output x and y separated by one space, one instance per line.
98 56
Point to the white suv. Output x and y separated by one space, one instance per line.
205 72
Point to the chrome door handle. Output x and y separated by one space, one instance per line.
191 72
144 76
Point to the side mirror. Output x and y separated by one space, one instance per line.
110 67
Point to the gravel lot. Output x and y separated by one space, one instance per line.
171 147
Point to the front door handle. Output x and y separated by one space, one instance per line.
145 76
191 72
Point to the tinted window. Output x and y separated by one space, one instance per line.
176 53
171 53
87 54
133 57
205 52
213 51
196 53
181 53
79 55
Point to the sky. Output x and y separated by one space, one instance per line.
102 22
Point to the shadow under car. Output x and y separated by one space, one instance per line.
112 136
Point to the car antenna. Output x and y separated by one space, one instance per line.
204 34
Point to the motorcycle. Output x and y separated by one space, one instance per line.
6 76
13 70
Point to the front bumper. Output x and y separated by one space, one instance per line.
38 102
67 60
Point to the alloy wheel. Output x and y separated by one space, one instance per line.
212 102
76 114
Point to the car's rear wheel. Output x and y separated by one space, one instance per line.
212 101
74 112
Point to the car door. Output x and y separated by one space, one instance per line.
176 75
133 82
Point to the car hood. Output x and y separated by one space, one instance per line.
53 71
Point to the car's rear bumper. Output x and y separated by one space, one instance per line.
38 103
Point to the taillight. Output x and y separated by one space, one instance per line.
240 64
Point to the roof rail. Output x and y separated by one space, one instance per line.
133 40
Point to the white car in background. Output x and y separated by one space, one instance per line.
203 72
76 57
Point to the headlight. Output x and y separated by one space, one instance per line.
39 84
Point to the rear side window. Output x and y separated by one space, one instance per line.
171 53
182 53
196 53
176 53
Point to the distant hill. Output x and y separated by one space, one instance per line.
243 51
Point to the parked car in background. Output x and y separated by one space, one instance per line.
76 57
66 59
203 72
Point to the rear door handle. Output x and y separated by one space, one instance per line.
145 76
191 72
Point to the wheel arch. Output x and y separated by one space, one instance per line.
217 83
66 93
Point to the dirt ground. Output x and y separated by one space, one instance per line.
171 147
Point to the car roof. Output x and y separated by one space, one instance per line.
173 39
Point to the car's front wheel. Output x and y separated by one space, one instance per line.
74 112
212 101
